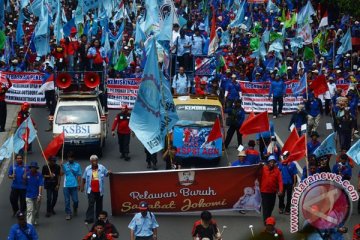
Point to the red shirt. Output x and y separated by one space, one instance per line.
95 185
122 123
73 46
271 180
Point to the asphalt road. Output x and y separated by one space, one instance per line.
172 227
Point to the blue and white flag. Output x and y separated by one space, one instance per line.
21 132
276 46
89 4
152 17
225 39
240 16
58 31
346 44
36 7
304 16
139 34
108 7
7 148
42 36
19 30
266 36
299 87
272 7
354 152
24 3
296 42
327 147
145 120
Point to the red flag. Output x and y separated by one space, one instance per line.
215 132
290 142
256 124
54 146
319 85
251 115
298 151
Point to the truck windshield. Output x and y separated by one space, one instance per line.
77 115
198 113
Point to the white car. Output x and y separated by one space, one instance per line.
83 122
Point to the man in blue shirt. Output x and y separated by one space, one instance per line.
288 174
313 144
232 93
314 109
343 168
263 139
93 184
22 230
277 91
34 187
71 171
18 187
236 118
241 160
143 226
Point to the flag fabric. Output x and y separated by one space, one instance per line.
42 35
308 54
215 132
283 69
354 152
54 146
251 116
225 39
58 28
319 85
121 63
36 7
276 46
290 142
152 18
2 40
266 36
305 33
291 22
240 16
324 20
48 85
298 151
254 43
327 147
145 119
89 4
272 7
19 30
256 124
7 149
305 14
346 44
26 128
67 27
299 87
275 35
214 40
296 43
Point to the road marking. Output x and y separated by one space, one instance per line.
278 139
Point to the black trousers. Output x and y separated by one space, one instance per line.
94 200
230 134
327 106
262 144
267 204
16 196
50 101
150 158
144 238
278 103
288 188
3 113
51 199
345 139
124 142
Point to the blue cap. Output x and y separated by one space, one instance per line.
271 158
34 164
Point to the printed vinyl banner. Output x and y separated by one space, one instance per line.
122 91
25 87
191 190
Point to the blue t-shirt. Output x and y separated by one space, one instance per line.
233 89
33 182
71 172
143 226
18 181
16 233
238 163
287 172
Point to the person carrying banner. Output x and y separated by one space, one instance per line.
51 184
206 228
18 187
93 184
277 91
121 123
71 171
34 187
22 230
3 110
236 117
270 184
143 226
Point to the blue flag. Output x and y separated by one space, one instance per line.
139 34
67 27
346 44
89 4
42 37
20 134
225 39
145 118
36 7
299 87
272 7
270 64
2 14
305 14
58 25
240 16
354 152
19 29
7 148
165 34
327 147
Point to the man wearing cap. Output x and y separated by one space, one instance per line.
270 185
71 171
121 123
314 143
18 187
3 110
277 91
34 187
93 184
270 232
22 230
51 174
143 226
241 160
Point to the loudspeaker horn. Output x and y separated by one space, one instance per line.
91 80
63 80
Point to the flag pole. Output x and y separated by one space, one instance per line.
306 155
26 142
13 155
42 153
62 152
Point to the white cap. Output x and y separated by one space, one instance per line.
315 71
338 71
289 68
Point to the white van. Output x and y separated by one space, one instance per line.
83 122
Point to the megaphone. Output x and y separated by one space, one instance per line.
63 80
91 80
